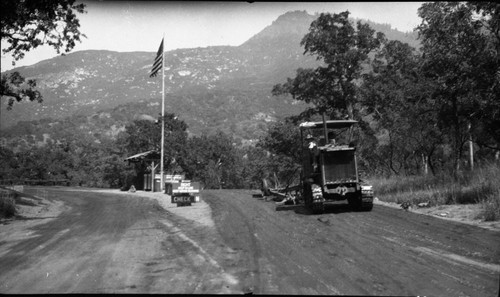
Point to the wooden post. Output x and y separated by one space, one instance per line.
324 128
471 148
152 176
276 181
424 163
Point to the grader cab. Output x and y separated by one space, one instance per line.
329 166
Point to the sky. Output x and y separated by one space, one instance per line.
127 26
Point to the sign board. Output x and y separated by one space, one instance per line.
170 177
185 186
184 192
183 199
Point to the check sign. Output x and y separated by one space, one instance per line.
182 199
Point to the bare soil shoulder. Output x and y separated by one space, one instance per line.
463 213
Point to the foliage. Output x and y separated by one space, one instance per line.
77 158
255 167
16 88
343 49
398 96
332 88
145 135
116 172
417 108
7 204
491 208
479 186
211 159
142 136
25 25
283 138
460 45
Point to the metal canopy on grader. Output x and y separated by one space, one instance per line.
329 167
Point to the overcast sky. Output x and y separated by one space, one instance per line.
126 26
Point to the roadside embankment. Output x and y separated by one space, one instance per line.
18 204
463 213
199 211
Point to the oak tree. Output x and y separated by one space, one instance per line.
28 24
461 49
344 49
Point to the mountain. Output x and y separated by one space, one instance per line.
218 87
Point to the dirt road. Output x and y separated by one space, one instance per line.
383 252
111 243
123 243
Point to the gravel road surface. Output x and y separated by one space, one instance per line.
116 242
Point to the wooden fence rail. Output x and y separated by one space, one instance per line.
34 182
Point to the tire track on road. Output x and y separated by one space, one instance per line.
226 278
238 233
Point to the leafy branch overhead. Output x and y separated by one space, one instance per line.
28 24
16 88
25 25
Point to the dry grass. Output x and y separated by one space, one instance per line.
10 198
479 186
491 208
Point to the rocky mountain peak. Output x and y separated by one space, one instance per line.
291 26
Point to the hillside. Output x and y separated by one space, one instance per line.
220 87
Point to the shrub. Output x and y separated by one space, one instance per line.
7 204
491 208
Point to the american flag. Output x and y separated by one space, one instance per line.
158 61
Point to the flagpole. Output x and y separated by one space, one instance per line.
162 114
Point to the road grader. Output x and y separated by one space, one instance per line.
329 168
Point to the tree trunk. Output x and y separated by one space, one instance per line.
457 144
425 162
471 148
350 110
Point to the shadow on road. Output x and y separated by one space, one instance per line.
289 207
23 218
329 209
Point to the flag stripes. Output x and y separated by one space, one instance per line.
158 61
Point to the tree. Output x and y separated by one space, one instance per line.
28 24
344 50
399 98
8 163
461 49
283 138
212 159
144 135
254 166
284 153
140 136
